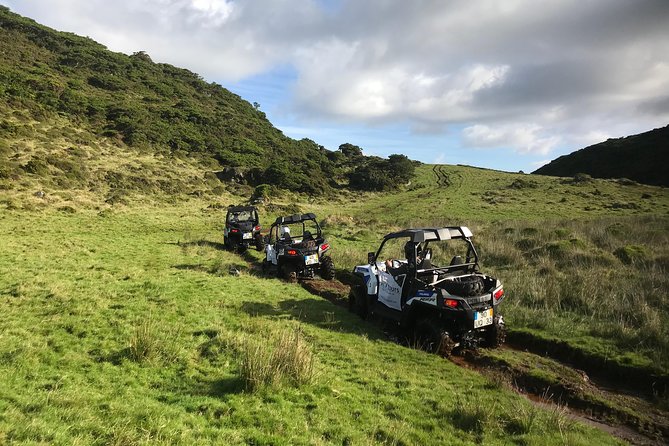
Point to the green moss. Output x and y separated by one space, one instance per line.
630 254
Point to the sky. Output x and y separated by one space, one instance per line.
503 84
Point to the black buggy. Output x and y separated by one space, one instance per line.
242 228
296 249
432 286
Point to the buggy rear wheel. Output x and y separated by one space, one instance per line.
496 334
327 268
289 272
432 338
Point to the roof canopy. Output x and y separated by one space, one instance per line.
296 218
430 234
241 208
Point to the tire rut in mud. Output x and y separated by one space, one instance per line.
443 179
629 378
630 416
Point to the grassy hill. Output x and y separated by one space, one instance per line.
65 99
125 327
641 158
125 322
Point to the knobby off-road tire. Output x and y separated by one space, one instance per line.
465 286
496 334
327 268
266 266
432 338
232 246
260 242
289 273
356 301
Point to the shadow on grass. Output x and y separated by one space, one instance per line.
317 312
224 386
207 243
189 267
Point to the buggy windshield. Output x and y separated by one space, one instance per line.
241 216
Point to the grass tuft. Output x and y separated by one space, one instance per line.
145 342
280 358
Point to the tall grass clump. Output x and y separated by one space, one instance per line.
473 414
482 417
278 359
145 342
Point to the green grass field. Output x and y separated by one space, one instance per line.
123 324
125 327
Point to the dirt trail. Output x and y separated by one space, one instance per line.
632 416
622 412
444 179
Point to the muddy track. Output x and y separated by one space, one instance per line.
444 179
633 379
625 413
633 417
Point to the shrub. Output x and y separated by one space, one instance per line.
521 183
377 174
581 178
262 192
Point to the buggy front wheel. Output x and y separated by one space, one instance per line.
356 301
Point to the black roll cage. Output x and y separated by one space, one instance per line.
426 235
293 220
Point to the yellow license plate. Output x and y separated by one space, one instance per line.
482 318
311 259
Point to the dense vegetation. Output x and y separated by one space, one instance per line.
642 158
151 107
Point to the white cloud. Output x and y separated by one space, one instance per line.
523 138
514 74
440 159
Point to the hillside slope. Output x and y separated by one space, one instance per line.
641 158
129 100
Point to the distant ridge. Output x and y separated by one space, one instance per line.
642 158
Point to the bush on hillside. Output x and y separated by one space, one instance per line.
379 174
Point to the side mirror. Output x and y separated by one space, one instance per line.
371 257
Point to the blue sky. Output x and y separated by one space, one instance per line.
272 91
498 84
